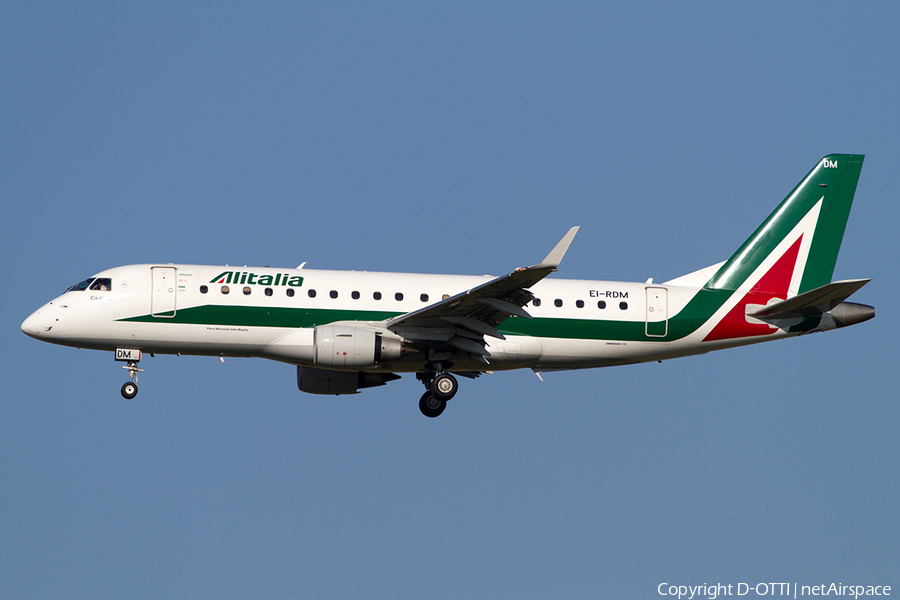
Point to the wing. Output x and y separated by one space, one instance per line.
461 321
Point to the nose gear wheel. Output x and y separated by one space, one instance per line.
130 388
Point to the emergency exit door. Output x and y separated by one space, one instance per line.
162 292
657 312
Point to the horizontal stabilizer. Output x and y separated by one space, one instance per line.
819 300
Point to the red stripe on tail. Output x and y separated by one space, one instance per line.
774 284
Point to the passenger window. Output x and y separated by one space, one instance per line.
557 303
398 296
269 291
102 284
354 295
579 303
536 302
445 296
289 292
623 305
203 289
310 293
225 289
377 295
601 304
247 290
424 297
333 294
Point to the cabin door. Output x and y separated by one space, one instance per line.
657 312
162 292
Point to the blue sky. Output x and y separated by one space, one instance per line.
458 139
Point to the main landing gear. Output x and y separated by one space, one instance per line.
440 388
130 389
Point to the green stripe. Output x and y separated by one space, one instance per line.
698 310
832 223
834 178
261 316
696 313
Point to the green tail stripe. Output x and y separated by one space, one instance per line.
830 229
834 178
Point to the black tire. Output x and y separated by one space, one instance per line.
444 386
430 406
129 390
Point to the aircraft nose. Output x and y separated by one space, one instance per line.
33 325
30 325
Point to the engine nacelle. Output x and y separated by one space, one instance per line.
349 347
326 381
336 346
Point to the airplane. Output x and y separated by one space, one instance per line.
346 330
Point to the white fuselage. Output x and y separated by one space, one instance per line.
184 309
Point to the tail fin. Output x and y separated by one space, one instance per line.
795 249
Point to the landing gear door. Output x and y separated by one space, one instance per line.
657 312
162 292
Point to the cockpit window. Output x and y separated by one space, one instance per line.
102 284
80 287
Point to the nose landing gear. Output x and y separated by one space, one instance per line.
130 356
130 388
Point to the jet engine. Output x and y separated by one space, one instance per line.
348 347
336 346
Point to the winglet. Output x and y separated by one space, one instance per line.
556 255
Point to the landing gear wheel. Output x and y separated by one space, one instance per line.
444 386
129 390
430 406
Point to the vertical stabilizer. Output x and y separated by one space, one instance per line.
796 247
793 252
